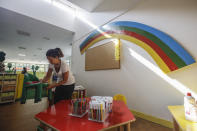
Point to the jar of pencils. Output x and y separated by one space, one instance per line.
79 107
79 92
108 100
99 108
97 111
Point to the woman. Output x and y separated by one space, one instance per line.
65 80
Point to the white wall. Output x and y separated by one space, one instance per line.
41 10
145 91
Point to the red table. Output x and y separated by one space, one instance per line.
57 118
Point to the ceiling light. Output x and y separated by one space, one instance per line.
20 32
21 54
21 47
46 38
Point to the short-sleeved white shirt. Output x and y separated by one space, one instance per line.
63 68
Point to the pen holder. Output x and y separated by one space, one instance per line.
79 92
97 111
79 107
108 100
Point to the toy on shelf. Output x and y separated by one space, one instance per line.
79 92
99 108
9 66
79 107
34 69
2 58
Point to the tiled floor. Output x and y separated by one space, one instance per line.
17 117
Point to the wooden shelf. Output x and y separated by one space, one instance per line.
7 91
1 102
7 98
8 87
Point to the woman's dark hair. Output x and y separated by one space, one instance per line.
24 71
57 52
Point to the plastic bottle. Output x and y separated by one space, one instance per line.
189 99
190 108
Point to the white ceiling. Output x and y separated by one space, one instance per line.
104 5
10 40
116 5
88 5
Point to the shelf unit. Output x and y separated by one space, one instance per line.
8 83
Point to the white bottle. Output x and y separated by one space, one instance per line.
189 99
190 108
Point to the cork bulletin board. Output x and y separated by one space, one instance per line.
103 57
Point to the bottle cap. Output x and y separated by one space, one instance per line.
189 94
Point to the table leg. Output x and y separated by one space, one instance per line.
129 126
176 126
43 126
122 128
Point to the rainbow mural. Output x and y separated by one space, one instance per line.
165 51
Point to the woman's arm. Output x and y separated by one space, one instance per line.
65 79
48 75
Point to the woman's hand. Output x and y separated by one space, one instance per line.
48 75
41 80
51 86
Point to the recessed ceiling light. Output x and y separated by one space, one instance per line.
21 47
21 32
46 38
21 54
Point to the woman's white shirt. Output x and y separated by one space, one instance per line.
63 69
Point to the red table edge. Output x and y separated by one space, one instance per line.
45 123
124 123
117 125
